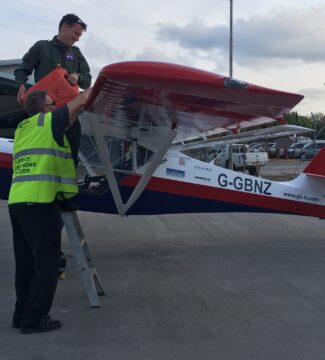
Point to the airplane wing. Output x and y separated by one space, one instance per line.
153 104
191 100
269 133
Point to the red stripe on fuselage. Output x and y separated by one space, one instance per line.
227 195
5 160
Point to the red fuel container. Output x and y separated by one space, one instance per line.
57 86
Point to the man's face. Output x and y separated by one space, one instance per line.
69 34
49 104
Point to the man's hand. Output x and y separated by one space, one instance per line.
73 78
21 91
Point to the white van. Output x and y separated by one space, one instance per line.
242 158
311 149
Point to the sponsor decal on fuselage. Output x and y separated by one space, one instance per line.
301 197
181 161
204 168
203 178
175 173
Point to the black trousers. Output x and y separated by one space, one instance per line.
37 243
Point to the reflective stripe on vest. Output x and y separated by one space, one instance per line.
41 119
51 178
42 151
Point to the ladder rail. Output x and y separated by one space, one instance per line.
83 258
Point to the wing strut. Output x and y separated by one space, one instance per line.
166 140
153 164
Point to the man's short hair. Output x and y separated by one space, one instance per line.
72 19
34 102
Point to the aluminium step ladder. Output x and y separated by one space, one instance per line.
82 257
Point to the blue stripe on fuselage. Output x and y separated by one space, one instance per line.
155 202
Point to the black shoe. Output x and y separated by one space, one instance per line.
44 325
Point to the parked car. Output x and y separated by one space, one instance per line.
295 149
256 147
276 152
311 149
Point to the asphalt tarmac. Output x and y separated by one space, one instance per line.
203 286
283 169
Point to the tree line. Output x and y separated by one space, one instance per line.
316 122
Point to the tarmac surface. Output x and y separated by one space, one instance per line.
199 286
283 169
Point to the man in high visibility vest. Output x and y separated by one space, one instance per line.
43 172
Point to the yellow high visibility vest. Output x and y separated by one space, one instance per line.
42 170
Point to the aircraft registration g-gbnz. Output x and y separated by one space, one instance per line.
138 110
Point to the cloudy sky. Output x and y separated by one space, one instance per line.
277 44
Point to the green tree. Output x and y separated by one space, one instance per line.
317 121
294 118
319 118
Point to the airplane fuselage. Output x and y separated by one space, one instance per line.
181 184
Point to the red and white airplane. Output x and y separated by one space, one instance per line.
138 110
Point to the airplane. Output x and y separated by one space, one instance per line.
138 111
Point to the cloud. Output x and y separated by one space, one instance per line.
153 54
315 93
313 97
99 54
195 35
282 33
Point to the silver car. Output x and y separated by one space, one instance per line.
295 149
312 149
